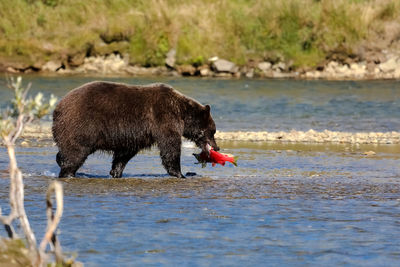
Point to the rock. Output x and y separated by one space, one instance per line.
222 65
343 70
377 57
52 66
369 153
158 71
171 58
187 70
371 67
313 74
19 65
76 60
281 66
250 73
396 73
264 66
112 64
139 71
331 67
358 70
11 70
279 74
237 74
204 71
24 143
389 66
212 59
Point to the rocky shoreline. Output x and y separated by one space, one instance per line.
382 65
311 136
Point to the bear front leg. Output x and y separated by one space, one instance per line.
170 152
71 163
119 162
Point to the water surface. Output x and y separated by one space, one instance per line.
286 204
271 105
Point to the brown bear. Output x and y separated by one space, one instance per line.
124 119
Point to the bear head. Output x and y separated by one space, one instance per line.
201 128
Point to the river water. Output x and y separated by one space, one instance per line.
285 204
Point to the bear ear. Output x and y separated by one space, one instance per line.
206 112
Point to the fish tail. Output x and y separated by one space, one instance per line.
234 162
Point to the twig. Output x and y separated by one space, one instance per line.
17 198
6 220
53 220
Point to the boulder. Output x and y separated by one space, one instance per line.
187 70
76 59
358 70
112 64
222 65
281 66
19 65
264 66
52 66
11 70
204 71
389 66
250 73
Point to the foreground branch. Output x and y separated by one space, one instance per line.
53 220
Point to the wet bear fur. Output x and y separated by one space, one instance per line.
124 119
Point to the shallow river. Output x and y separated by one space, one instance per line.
286 204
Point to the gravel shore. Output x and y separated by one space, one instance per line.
311 136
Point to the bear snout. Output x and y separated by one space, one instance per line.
214 145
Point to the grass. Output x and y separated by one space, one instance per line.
303 32
14 253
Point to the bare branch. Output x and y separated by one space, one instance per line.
53 220
25 93
13 122
30 237
7 220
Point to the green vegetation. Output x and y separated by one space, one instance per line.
303 32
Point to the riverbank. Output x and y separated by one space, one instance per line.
116 65
281 39
311 136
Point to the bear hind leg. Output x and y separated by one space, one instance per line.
71 163
119 162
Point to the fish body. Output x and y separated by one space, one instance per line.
214 157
